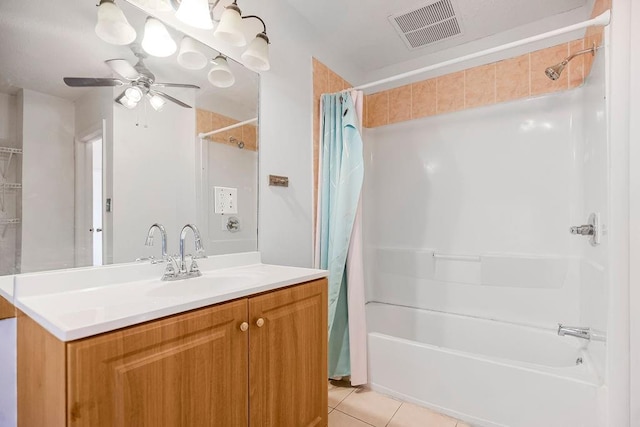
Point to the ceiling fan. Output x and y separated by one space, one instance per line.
140 80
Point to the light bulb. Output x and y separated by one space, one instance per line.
256 56
190 56
195 13
112 25
157 41
230 27
220 74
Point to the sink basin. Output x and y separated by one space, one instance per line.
202 284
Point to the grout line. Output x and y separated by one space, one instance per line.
394 414
355 418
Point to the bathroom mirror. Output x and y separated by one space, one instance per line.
83 177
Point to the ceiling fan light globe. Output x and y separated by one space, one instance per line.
229 29
133 94
195 13
112 25
256 57
157 102
157 41
126 102
190 56
220 74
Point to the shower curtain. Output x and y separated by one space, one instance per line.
338 246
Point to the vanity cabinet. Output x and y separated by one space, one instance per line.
256 361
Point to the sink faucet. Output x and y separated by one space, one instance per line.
149 241
574 331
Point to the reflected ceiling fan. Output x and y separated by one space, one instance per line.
140 80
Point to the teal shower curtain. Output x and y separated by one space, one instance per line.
341 175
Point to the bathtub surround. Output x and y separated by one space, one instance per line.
453 227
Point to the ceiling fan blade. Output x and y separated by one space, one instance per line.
91 82
187 86
123 68
170 98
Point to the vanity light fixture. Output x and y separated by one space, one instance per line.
158 5
157 41
256 56
229 29
220 74
112 26
190 56
195 13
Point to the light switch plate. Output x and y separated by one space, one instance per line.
225 200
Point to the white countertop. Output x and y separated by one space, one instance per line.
71 310
6 288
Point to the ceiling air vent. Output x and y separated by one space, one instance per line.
427 25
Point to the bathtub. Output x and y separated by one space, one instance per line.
488 373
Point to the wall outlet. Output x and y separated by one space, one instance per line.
225 200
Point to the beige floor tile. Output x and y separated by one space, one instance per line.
330 409
338 394
369 406
462 424
416 416
338 419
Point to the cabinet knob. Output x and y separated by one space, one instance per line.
244 326
260 322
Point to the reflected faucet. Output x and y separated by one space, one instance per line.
199 249
149 241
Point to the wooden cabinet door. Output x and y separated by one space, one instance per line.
186 370
288 357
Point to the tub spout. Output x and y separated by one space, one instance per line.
574 331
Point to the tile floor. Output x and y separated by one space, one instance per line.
360 407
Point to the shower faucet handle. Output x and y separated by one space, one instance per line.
592 229
583 230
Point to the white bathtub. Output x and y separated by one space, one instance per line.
488 373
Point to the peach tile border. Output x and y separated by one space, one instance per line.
206 121
507 80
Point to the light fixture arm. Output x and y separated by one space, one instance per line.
264 31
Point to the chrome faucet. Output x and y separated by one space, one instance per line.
574 331
149 241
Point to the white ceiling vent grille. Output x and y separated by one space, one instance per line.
427 25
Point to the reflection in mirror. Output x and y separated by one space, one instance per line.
87 167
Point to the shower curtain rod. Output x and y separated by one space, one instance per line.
226 128
602 19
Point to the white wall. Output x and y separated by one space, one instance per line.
48 182
229 166
153 176
498 182
10 239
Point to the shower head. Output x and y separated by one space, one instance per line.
554 71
